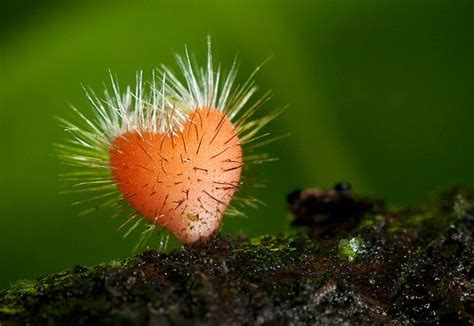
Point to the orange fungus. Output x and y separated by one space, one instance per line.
169 151
183 179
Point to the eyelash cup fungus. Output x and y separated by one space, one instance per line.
173 151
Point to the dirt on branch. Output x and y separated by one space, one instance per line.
348 260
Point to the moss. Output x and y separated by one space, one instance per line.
285 244
471 286
22 287
319 279
461 207
10 310
350 249
370 221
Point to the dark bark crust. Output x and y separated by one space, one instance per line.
352 261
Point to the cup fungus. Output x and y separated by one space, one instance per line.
173 150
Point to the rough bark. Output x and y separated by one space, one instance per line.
348 260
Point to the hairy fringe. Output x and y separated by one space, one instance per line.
162 105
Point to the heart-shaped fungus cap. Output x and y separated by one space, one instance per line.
184 180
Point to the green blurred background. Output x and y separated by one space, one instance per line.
380 96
